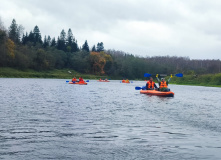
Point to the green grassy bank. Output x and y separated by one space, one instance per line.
58 74
213 80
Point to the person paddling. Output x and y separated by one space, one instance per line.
74 79
151 84
163 85
81 80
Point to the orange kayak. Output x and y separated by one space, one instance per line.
80 83
103 81
157 93
125 82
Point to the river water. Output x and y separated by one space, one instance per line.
51 119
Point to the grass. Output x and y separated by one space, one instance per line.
58 74
212 80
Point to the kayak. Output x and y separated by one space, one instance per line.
80 83
157 93
103 81
125 82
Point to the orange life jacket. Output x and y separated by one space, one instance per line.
163 84
151 84
74 79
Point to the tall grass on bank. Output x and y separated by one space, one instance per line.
59 74
199 80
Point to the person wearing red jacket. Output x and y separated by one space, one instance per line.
81 79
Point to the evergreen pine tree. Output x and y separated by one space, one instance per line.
85 46
75 47
45 43
31 37
93 49
70 38
53 42
61 42
49 41
13 32
25 38
37 35
100 47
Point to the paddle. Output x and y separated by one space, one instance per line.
139 88
147 75
179 75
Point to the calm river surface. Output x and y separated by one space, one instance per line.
50 119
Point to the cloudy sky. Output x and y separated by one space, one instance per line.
187 28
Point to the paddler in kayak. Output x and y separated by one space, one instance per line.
151 84
74 79
81 80
163 84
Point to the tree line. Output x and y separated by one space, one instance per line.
31 51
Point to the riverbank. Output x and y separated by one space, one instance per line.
212 80
58 74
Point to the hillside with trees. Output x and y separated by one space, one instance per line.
41 53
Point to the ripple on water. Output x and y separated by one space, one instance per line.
49 119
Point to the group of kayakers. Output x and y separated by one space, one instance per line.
103 79
150 85
75 80
125 81
163 84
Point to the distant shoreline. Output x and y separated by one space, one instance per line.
210 80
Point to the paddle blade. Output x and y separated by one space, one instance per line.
179 75
67 81
147 75
144 88
87 80
138 88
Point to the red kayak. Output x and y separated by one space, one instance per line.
80 83
157 93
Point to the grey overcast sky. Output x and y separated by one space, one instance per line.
187 28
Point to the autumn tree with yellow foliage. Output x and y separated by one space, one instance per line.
10 48
98 61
